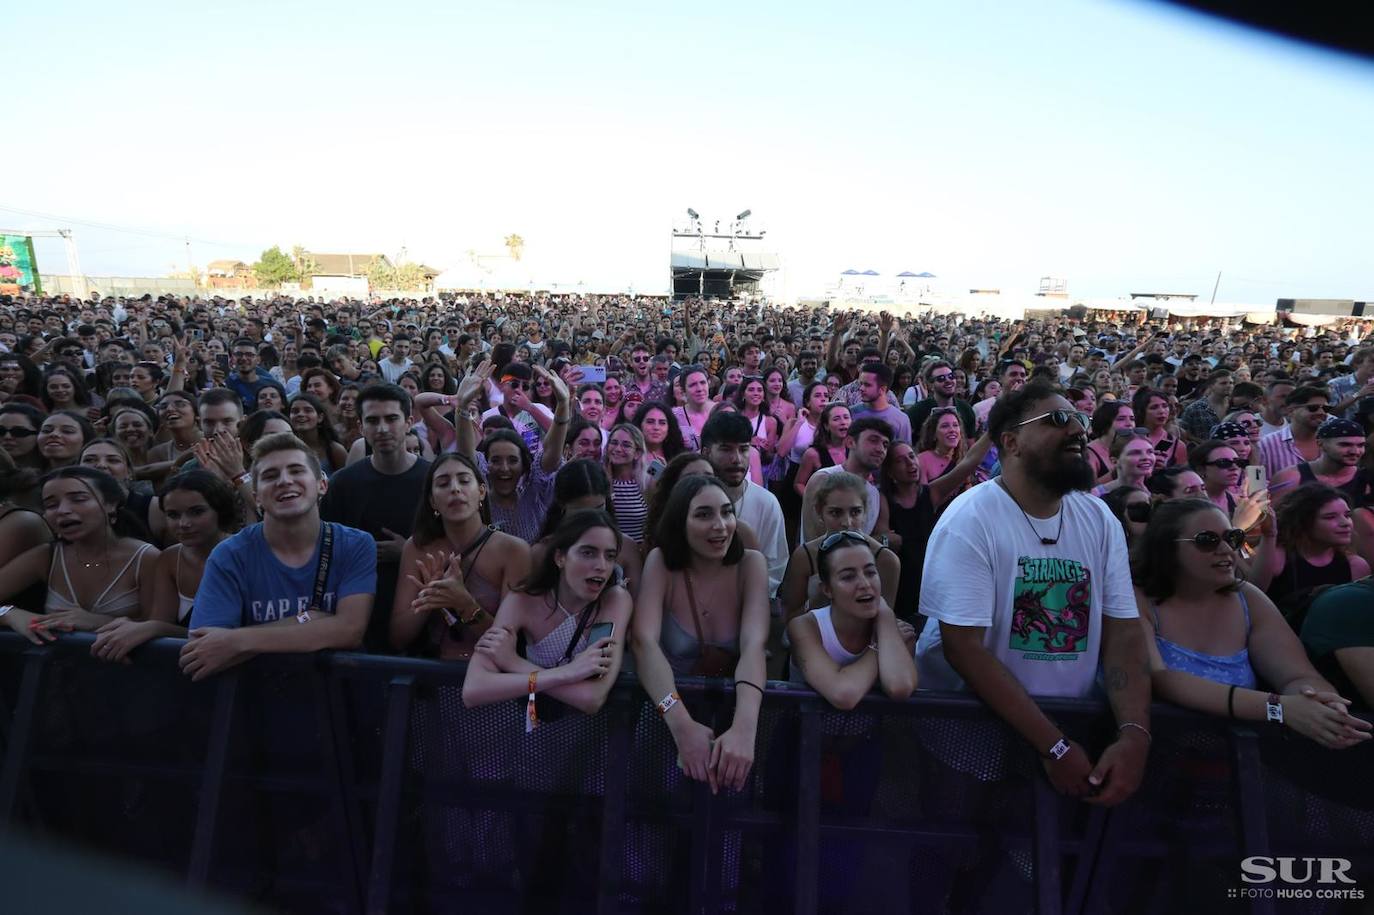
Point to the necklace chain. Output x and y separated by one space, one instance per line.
1045 541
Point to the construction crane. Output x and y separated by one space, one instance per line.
73 261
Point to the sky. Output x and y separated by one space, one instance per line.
1124 146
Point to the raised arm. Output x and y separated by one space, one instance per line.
552 455
947 486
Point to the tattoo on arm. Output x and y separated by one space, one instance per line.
1116 679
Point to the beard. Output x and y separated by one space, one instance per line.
1060 472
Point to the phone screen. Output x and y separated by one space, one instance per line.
1255 479
599 631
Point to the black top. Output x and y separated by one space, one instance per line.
913 525
1293 587
360 496
921 409
31 598
1358 487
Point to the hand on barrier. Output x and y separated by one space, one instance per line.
694 747
208 651
117 638
1120 769
1069 775
732 756
1328 724
29 625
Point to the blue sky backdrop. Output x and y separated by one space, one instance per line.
1122 145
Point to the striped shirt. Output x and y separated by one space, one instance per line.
631 511
1277 452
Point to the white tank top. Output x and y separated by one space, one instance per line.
831 642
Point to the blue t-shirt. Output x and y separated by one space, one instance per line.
245 583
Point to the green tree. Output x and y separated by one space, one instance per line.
380 275
275 268
305 265
410 276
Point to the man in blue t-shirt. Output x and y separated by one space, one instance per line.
257 591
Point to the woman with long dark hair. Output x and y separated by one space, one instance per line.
62 436
201 510
1110 419
19 425
1315 536
312 425
703 611
19 377
573 616
1213 639
63 389
101 567
662 437
1153 412
751 402
827 448
455 568
695 409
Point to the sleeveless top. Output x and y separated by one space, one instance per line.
488 597
183 602
1233 670
548 652
631 511
1299 576
914 525
824 454
31 598
806 435
681 647
1356 488
122 604
830 641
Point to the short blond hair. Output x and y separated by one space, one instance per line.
284 441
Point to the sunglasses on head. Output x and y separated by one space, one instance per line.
1059 419
842 538
1208 541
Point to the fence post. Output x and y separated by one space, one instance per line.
1046 845
21 733
212 783
808 808
623 713
335 747
1250 810
389 788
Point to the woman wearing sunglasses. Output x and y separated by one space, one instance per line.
19 425
1218 645
1221 471
1314 539
854 642
841 503
1132 507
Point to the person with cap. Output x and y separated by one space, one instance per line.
1342 444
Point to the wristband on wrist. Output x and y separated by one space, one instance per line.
532 710
1273 708
1059 750
666 703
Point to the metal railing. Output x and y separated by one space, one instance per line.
348 782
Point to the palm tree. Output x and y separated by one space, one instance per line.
515 244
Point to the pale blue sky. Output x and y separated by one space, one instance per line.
1121 145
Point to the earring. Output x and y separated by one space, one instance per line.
436 512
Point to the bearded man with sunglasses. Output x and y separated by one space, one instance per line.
1027 588
941 385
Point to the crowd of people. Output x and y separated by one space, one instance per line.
554 489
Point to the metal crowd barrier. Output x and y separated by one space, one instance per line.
348 782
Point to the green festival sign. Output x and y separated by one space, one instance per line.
18 268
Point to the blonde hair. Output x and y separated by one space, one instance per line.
641 471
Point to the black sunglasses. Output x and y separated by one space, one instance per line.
1208 541
16 432
1226 463
1059 419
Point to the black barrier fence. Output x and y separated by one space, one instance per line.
344 782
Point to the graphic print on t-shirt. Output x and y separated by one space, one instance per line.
1050 609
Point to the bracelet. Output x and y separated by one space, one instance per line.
303 617
1231 702
1139 727
244 478
532 710
666 703
739 683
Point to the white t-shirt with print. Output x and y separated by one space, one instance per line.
1041 604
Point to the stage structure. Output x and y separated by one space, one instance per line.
721 259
